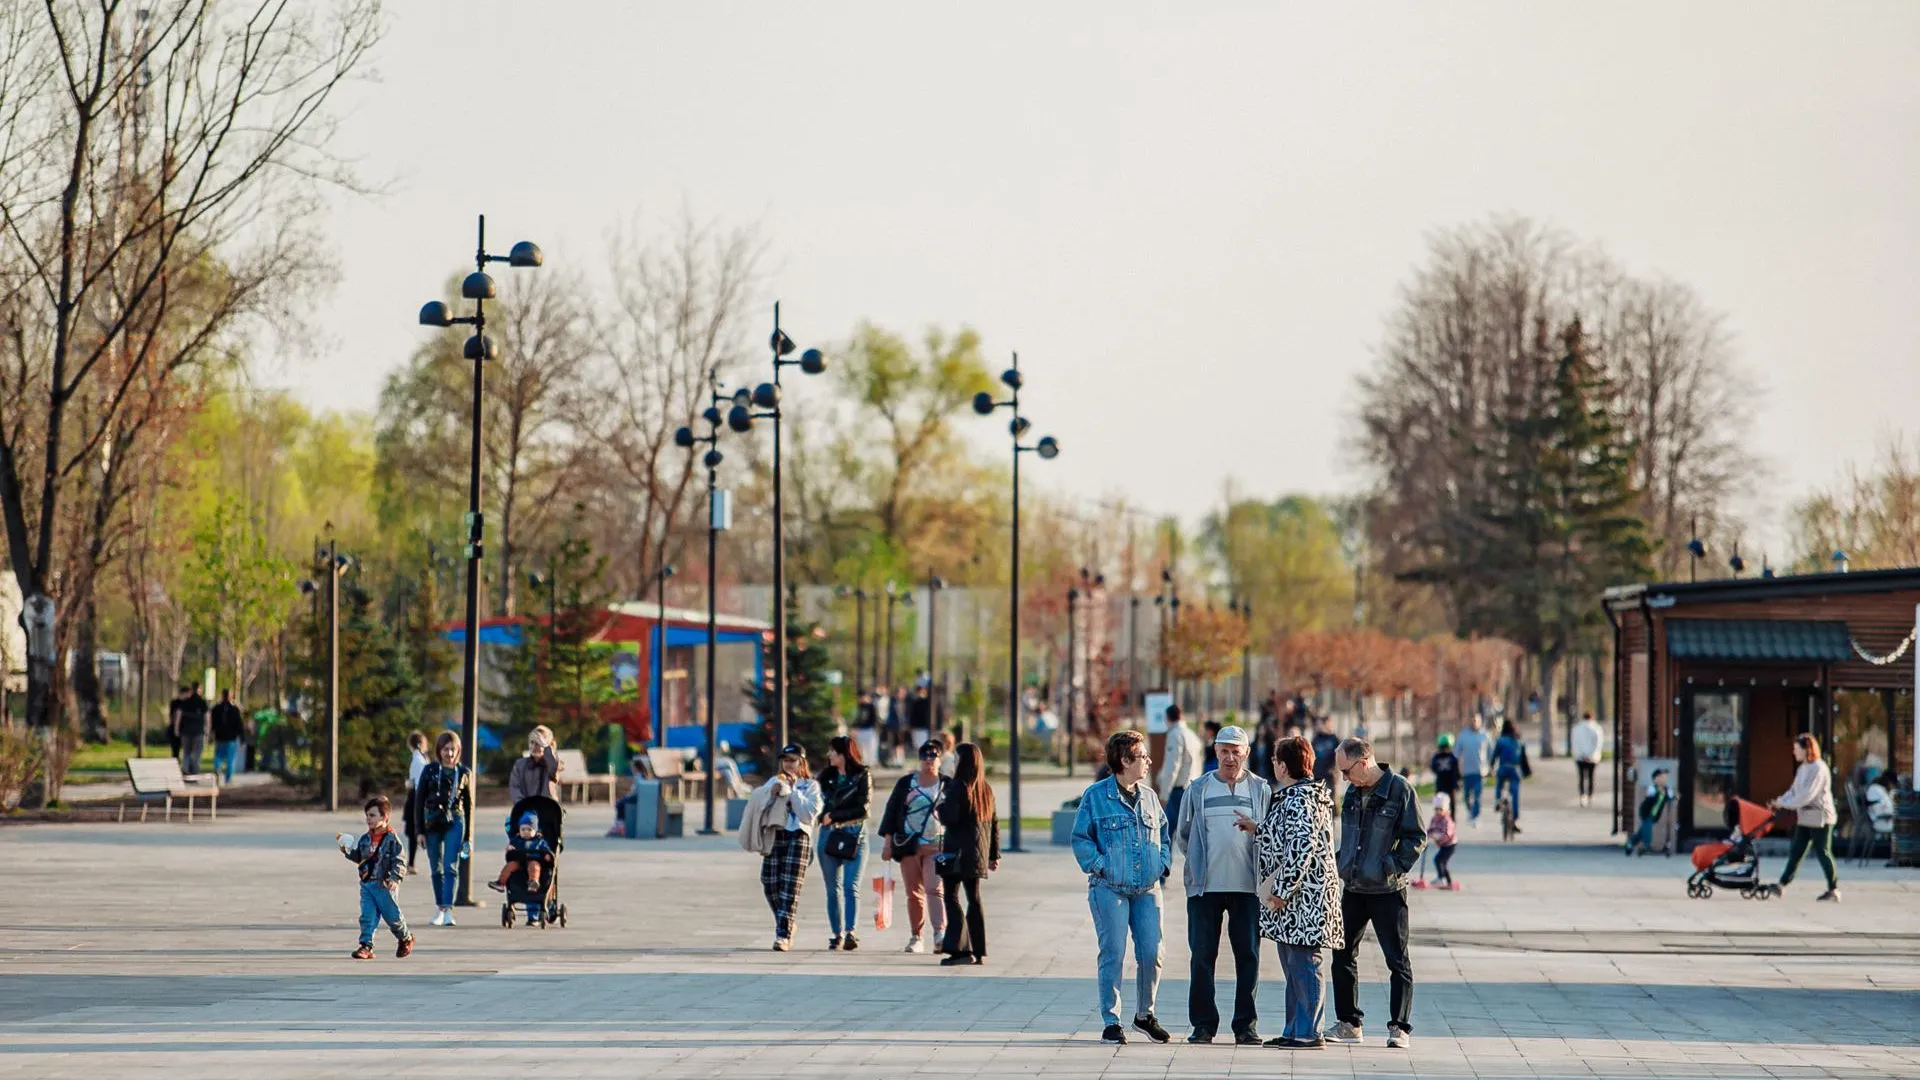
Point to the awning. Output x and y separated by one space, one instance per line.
1793 640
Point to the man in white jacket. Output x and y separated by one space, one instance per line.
1182 761
1587 739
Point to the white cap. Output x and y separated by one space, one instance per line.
1231 736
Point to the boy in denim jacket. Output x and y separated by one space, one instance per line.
383 863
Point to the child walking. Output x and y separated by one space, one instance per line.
382 864
1445 838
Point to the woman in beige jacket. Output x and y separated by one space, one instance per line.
1811 798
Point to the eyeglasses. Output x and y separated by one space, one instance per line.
1142 756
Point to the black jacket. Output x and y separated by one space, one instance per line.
228 724
444 795
973 848
1324 744
846 797
193 717
1380 834
893 819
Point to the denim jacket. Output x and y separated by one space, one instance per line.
1380 835
384 862
1126 849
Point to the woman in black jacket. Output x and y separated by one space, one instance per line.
969 851
847 789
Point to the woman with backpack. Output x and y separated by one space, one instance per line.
846 791
969 851
445 792
910 826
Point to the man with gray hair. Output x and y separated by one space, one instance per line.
1380 840
1218 819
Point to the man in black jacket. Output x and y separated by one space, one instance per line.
1380 839
192 727
229 727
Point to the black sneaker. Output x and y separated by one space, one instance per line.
1114 1034
833 944
958 960
1150 1026
1304 1044
1200 1037
1246 1038
849 943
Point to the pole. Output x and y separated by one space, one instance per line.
333 680
1246 666
779 557
1013 636
1133 647
470 652
859 643
933 684
713 642
888 675
660 660
1073 658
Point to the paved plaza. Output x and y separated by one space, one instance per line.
220 950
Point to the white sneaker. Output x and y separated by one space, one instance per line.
1343 1033
440 917
1398 1039
915 945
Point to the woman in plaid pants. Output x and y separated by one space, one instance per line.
796 805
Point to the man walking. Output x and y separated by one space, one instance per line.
1586 754
1475 752
192 726
1215 831
1325 742
1184 757
173 722
1380 839
228 728
1122 843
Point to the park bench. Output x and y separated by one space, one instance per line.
574 775
669 766
160 778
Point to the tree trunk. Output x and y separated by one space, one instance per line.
86 673
1549 673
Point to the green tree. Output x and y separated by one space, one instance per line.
238 586
810 717
380 698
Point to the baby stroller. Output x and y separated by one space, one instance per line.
543 903
1734 864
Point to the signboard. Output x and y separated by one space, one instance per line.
1157 703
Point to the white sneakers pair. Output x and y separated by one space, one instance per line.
1347 1033
444 917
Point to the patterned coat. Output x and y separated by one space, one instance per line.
1295 853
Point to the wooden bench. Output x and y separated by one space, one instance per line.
574 775
669 766
160 778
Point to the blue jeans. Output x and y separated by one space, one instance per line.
1306 990
1114 915
443 855
377 902
1470 785
226 755
1504 778
843 886
1642 837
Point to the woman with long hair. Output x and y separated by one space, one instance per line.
1299 888
1811 800
846 791
910 832
791 806
969 851
445 792
1509 766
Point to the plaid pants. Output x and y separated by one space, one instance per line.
782 872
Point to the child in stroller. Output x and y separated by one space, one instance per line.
531 876
1734 863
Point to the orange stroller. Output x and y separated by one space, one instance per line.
1734 863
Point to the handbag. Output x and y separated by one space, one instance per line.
841 843
1526 767
883 900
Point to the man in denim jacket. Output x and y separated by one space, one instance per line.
1122 840
1380 840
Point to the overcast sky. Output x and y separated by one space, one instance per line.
1189 219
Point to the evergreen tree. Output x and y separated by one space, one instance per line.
381 699
810 716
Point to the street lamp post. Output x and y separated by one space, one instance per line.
333 564
1048 449
479 288
1073 658
859 635
659 679
767 396
935 583
739 417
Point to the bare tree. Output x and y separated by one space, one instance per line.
678 317
145 152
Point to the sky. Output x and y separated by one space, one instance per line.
1190 220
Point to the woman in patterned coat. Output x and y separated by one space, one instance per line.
1299 888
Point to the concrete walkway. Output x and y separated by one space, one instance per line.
212 951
